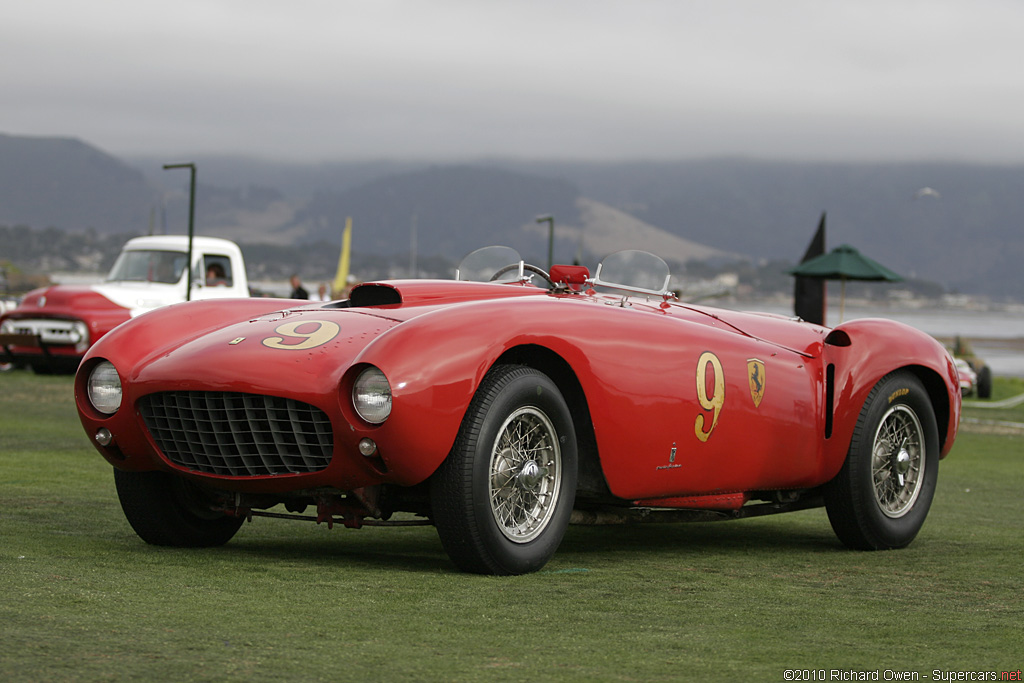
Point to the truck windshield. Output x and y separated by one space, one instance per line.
148 266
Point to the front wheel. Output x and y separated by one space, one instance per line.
167 510
501 501
881 496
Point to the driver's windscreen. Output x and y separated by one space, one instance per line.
483 264
634 268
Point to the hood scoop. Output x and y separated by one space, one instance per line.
371 294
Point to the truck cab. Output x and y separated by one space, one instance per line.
54 326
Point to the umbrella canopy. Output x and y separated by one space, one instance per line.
844 263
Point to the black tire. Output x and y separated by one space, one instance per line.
881 496
168 510
985 382
493 471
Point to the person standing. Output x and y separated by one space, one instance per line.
298 291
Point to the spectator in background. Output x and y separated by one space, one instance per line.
298 291
321 293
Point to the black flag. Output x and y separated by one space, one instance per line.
809 292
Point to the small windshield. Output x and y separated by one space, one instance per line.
148 266
635 271
483 264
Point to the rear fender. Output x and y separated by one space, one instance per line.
859 353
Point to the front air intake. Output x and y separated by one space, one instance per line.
238 435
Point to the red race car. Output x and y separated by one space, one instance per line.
500 411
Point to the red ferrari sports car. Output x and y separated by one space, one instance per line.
506 404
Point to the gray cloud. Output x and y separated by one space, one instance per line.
339 79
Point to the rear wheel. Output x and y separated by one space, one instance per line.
881 496
501 500
168 510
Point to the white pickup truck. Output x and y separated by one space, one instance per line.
54 326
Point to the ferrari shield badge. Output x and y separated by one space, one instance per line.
756 376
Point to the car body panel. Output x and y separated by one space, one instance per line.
639 363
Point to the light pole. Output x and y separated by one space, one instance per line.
550 220
191 223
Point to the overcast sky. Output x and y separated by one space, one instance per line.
318 80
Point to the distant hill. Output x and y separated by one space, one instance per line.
65 183
965 235
451 210
968 237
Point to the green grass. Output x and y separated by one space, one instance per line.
85 599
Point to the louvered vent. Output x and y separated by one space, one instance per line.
238 435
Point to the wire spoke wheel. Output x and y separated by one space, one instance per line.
502 499
525 476
897 463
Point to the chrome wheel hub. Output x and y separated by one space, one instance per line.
525 481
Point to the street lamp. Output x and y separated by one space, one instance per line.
191 223
550 220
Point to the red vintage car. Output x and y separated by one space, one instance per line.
501 411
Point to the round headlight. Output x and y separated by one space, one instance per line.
105 388
371 396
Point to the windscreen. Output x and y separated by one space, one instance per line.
484 264
148 266
634 270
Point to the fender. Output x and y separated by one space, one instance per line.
864 351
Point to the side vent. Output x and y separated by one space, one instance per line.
830 391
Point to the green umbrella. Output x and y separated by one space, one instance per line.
844 263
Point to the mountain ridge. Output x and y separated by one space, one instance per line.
966 235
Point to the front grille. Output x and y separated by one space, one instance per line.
238 435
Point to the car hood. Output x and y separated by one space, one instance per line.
139 297
63 301
310 347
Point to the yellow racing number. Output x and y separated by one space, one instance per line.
716 400
303 334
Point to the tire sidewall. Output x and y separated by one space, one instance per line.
880 530
162 511
460 490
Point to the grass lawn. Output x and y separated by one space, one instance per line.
85 599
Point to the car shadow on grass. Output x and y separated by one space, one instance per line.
702 537
413 550
419 550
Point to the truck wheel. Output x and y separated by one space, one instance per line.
501 500
168 510
881 496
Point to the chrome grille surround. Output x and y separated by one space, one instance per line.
238 435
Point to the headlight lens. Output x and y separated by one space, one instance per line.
371 395
105 388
